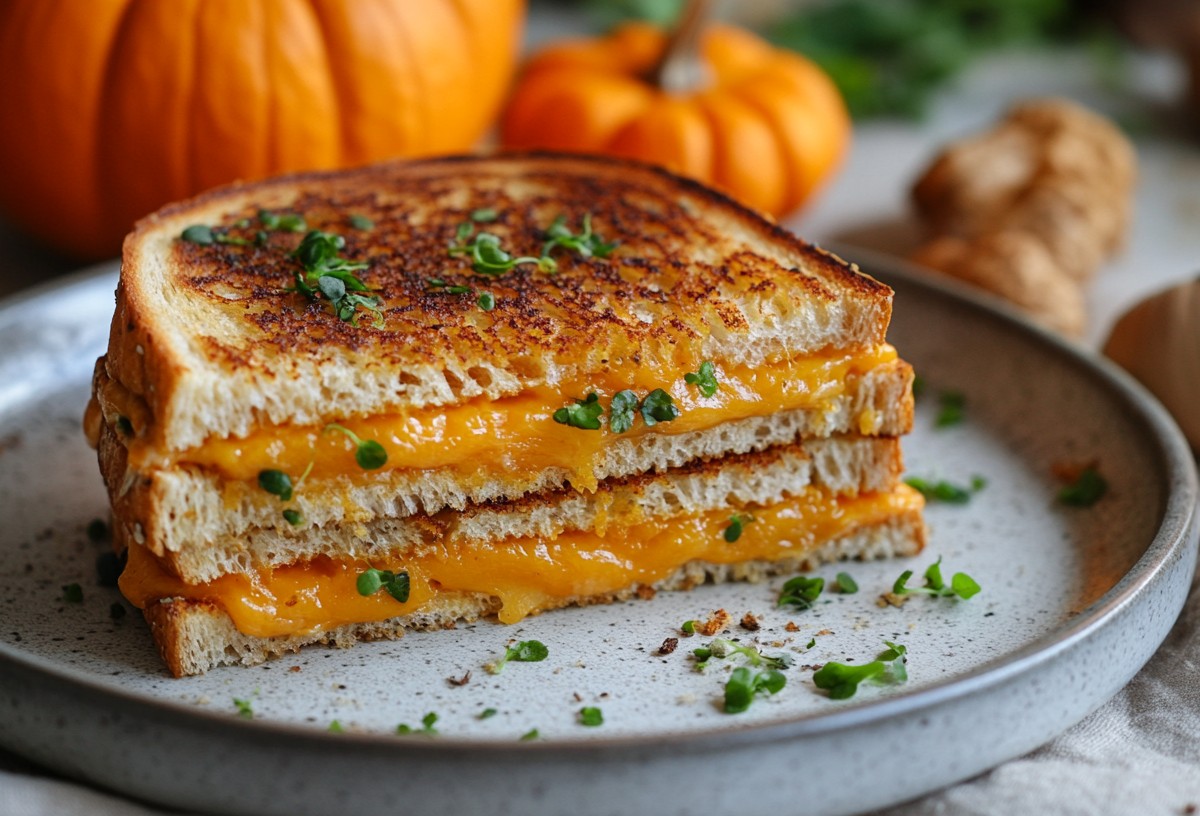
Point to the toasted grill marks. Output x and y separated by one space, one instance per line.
671 279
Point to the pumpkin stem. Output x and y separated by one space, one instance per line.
681 69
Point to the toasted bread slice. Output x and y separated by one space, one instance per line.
195 636
209 338
842 465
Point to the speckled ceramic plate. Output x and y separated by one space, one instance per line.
1074 602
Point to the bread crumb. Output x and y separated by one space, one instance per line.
685 699
791 627
646 592
294 669
669 645
717 622
893 599
750 623
825 632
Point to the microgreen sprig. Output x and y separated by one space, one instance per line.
426 728
622 410
1088 489
586 243
591 716
842 681
585 413
369 454
658 407
801 592
953 409
326 274
488 257
737 523
705 379
944 491
744 685
204 235
723 648
288 222
961 584
395 584
845 584
527 651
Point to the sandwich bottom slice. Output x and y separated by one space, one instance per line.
740 517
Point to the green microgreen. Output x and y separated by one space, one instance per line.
362 223
445 288
723 648
327 274
527 651
293 517
689 627
961 584
335 727
73 593
426 726
801 592
395 584
124 425
845 584
953 409
918 386
705 379
621 411
944 491
484 215
288 222
812 642
488 257
345 304
658 407
97 530
530 736
586 243
116 611
486 301
1088 489
585 413
842 681
488 712
277 483
737 523
198 234
744 685
591 716
243 706
369 454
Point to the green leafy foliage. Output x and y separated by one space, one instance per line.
395 584
244 709
842 681
585 413
484 215
530 736
845 584
705 379
889 56
346 303
744 684
277 483
586 243
952 409
723 649
198 234
486 301
961 584
488 712
362 223
326 274
1088 489
369 454
335 727
801 592
426 728
288 222
527 651
689 627
293 517
622 410
658 407
941 490
488 257
737 523
591 716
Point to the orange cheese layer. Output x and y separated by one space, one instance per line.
518 435
526 574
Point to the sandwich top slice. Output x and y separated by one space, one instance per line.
474 305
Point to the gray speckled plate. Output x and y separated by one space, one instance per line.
1073 604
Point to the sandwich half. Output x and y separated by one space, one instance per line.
518 382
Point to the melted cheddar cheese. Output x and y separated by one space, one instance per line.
526 574
518 435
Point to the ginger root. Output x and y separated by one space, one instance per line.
1031 209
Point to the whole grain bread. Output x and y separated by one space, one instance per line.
845 465
210 338
195 636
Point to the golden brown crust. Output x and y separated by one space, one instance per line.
683 265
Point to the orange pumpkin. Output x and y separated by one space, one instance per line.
768 128
115 107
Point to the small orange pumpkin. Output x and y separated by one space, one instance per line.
115 107
769 127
